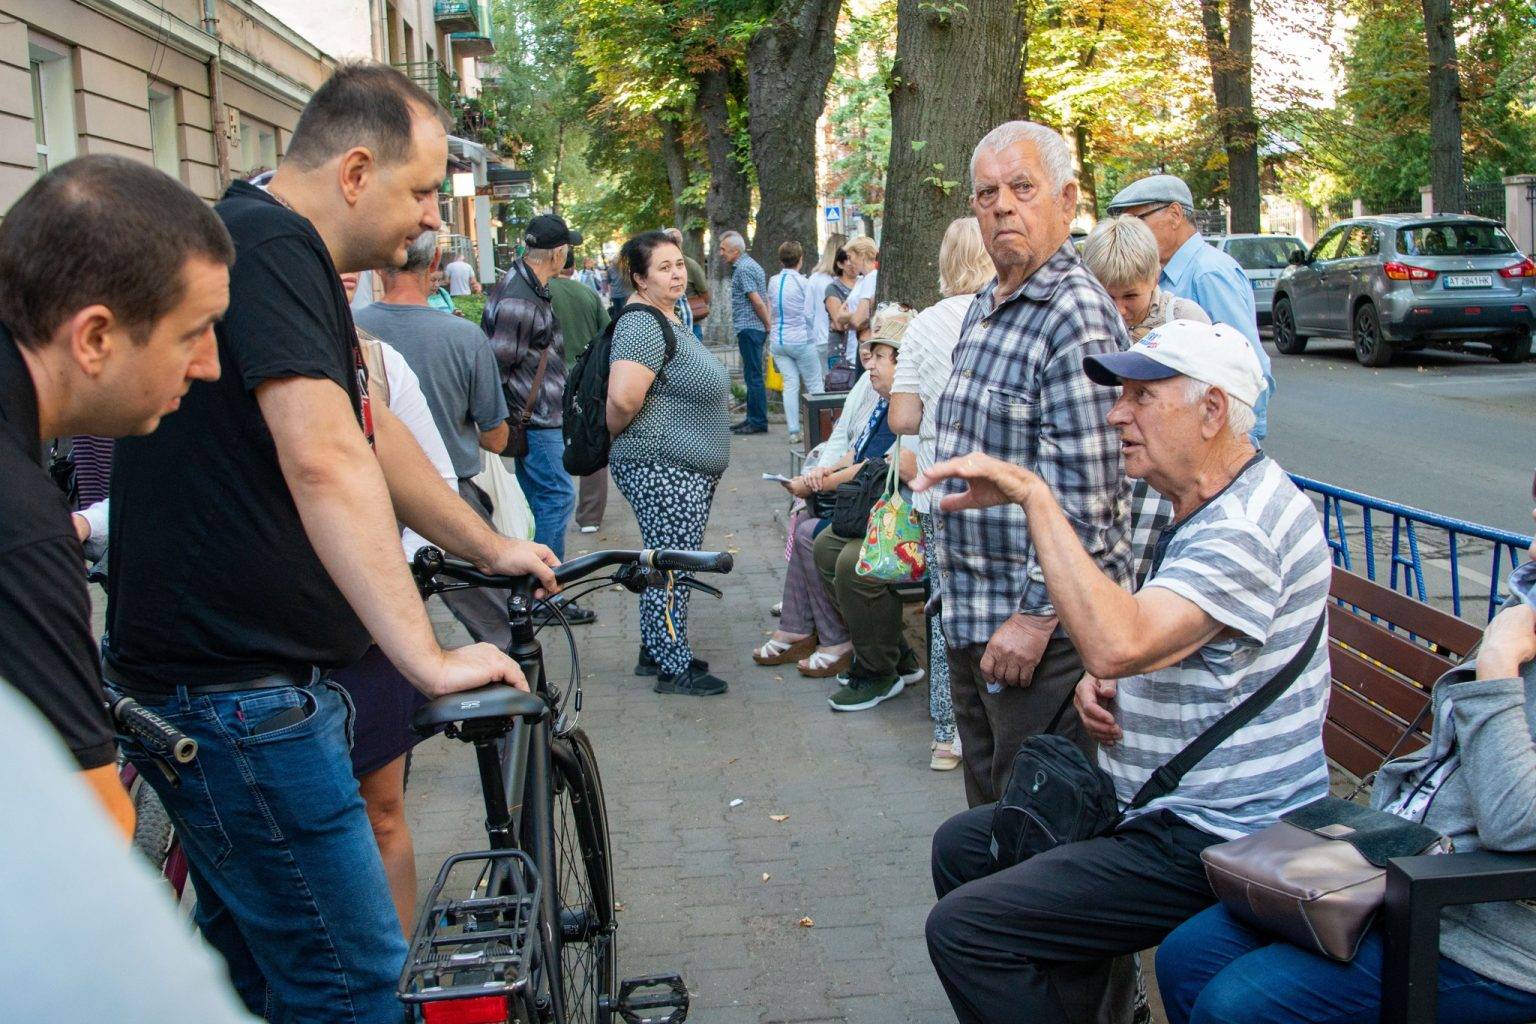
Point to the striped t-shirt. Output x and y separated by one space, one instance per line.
1254 559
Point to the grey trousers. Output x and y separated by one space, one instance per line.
592 498
482 612
993 725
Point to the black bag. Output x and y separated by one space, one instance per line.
839 377
517 426
1056 795
853 501
584 406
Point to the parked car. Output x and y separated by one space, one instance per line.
1410 281
1262 258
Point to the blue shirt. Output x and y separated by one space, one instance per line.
1214 281
747 278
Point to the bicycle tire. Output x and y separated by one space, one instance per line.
152 829
586 937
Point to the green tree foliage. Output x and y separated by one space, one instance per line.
859 103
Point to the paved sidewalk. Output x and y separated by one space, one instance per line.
715 892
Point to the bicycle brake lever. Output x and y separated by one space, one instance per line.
703 588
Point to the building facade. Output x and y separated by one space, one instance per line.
210 90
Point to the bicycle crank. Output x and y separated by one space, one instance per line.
654 992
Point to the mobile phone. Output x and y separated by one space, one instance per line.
282 720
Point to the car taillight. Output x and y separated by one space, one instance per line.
1403 272
1525 268
473 1010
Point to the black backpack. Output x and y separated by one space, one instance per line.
584 405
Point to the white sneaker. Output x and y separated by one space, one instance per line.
589 529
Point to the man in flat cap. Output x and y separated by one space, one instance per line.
1195 270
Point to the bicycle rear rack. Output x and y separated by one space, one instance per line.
476 949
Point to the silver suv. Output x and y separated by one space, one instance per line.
1262 258
1409 281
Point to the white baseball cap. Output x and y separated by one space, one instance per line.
1215 354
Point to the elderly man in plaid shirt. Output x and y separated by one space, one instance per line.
1018 392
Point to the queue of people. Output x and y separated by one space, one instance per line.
1110 554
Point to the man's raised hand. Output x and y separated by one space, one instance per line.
989 482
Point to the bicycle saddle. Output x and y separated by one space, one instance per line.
494 701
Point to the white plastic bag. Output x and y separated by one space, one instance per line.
510 512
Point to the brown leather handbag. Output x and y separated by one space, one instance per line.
1317 877
517 427
698 306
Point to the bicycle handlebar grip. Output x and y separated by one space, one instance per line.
154 730
693 561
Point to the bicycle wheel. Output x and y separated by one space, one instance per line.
583 880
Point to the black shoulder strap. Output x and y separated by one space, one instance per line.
666 332
1167 778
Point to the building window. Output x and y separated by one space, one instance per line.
258 145
53 104
162 130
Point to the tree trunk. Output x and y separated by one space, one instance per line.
1230 50
1079 140
554 191
679 173
1447 177
938 114
727 203
789 63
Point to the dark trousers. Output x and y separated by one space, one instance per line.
869 606
993 725
750 342
482 611
1034 943
592 498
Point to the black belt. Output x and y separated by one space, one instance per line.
271 681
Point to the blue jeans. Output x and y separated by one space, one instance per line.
750 342
1213 969
548 487
800 365
698 330
290 887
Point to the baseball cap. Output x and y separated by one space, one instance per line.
1214 354
1156 188
889 325
547 231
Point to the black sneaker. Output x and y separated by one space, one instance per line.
692 683
747 428
645 665
863 693
575 614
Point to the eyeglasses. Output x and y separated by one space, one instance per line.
1147 213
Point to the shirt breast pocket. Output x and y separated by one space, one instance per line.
1012 419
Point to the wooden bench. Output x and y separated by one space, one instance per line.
1386 651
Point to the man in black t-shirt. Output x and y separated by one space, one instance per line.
103 337
253 549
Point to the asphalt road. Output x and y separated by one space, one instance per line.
1452 433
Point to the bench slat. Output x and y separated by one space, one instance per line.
1453 634
1369 725
1348 752
1397 695
1395 651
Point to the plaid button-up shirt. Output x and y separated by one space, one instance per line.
1018 392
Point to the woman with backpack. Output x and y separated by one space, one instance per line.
671 433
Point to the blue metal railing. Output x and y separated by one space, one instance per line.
1405 558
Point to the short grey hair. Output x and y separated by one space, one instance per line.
542 255
675 234
1122 251
418 255
733 238
1240 416
1055 158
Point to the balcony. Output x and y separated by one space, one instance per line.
432 76
471 44
457 15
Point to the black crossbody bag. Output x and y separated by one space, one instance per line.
1056 795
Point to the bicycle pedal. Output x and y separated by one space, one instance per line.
639 996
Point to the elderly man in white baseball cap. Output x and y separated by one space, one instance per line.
1235 593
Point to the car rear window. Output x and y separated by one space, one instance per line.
1263 253
1454 239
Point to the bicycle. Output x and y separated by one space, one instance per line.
532 939
153 835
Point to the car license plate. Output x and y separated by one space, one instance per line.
1469 281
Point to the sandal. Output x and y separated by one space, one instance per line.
824 664
782 652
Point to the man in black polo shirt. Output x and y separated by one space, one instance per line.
255 547
102 337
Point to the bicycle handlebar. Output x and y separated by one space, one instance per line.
431 561
152 730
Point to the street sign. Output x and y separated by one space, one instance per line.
834 214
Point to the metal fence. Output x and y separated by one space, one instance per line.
1486 199
1432 558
